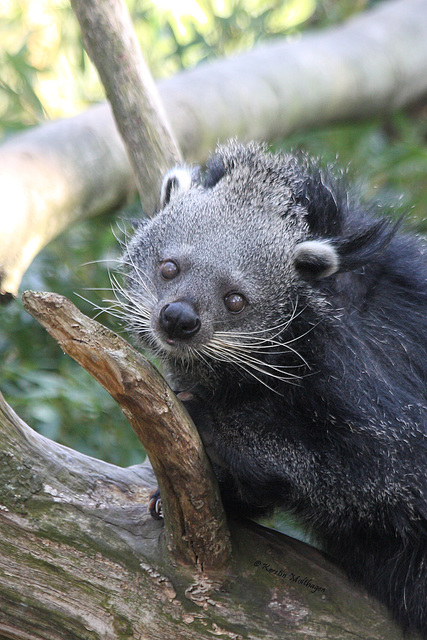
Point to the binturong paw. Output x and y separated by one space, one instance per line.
155 505
155 502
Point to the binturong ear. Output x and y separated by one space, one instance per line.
175 181
316 259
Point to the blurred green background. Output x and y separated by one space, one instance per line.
45 74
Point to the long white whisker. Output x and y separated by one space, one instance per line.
269 331
239 364
101 261
120 292
226 355
257 364
96 289
143 277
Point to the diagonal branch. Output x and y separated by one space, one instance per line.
196 528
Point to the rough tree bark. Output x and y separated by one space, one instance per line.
80 559
371 65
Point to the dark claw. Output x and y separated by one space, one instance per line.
155 505
185 396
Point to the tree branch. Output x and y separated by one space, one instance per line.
52 176
371 65
194 517
110 41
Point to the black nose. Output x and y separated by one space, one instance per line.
179 319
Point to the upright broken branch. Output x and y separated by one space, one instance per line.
111 42
195 520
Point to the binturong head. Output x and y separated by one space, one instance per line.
222 271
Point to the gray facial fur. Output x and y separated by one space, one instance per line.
235 236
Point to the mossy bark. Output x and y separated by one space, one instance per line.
80 559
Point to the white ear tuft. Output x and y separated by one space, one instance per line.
316 259
175 181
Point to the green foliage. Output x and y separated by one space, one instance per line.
22 106
177 35
51 392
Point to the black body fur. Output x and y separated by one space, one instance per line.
338 437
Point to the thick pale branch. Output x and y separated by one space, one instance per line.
195 521
371 65
52 176
111 42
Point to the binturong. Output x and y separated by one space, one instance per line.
292 321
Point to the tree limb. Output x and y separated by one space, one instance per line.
371 65
194 517
111 42
52 176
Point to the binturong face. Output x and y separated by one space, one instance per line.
214 276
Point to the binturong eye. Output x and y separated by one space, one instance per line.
235 302
169 269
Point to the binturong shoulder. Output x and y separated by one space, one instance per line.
293 321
